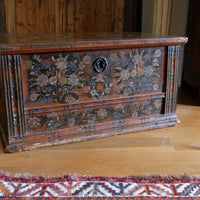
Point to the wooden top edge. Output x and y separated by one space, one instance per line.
17 44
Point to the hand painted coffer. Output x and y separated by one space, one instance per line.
73 87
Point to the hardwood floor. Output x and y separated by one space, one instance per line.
168 151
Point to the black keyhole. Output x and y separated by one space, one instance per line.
100 64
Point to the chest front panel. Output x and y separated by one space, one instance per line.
63 90
65 78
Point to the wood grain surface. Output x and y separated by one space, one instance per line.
169 151
60 16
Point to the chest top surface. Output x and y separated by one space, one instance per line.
17 44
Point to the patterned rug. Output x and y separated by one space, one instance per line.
99 188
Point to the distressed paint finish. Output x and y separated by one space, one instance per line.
13 92
137 90
65 119
70 77
172 78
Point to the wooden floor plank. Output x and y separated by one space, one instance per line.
167 151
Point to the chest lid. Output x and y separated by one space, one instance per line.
17 44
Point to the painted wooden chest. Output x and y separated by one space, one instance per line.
57 89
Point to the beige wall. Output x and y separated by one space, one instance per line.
178 22
178 27
147 16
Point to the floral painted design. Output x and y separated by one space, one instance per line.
53 120
70 77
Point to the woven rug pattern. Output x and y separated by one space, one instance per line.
92 188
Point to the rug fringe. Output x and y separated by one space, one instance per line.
75 177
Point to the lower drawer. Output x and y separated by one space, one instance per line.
58 125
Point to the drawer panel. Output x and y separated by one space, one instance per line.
49 121
69 77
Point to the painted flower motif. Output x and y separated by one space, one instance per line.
155 62
140 72
72 66
118 116
33 96
43 100
155 86
63 80
73 79
61 63
148 70
68 99
38 89
81 66
49 89
148 109
37 57
53 80
102 113
107 91
157 104
91 118
53 124
121 54
133 73
36 68
53 115
137 59
93 92
124 74
135 114
71 121
87 60
113 57
119 107
33 122
49 99
127 91
157 53
42 80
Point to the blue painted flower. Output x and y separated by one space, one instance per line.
118 115
144 79
88 110
72 66
69 87
45 65
49 99
148 88
36 68
53 69
126 62
52 124
100 96
76 57
43 100
38 88
92 84
106 81
49 89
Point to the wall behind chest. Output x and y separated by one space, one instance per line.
59 16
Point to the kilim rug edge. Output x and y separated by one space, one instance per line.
70 187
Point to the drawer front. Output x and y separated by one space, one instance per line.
66 78
89 116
